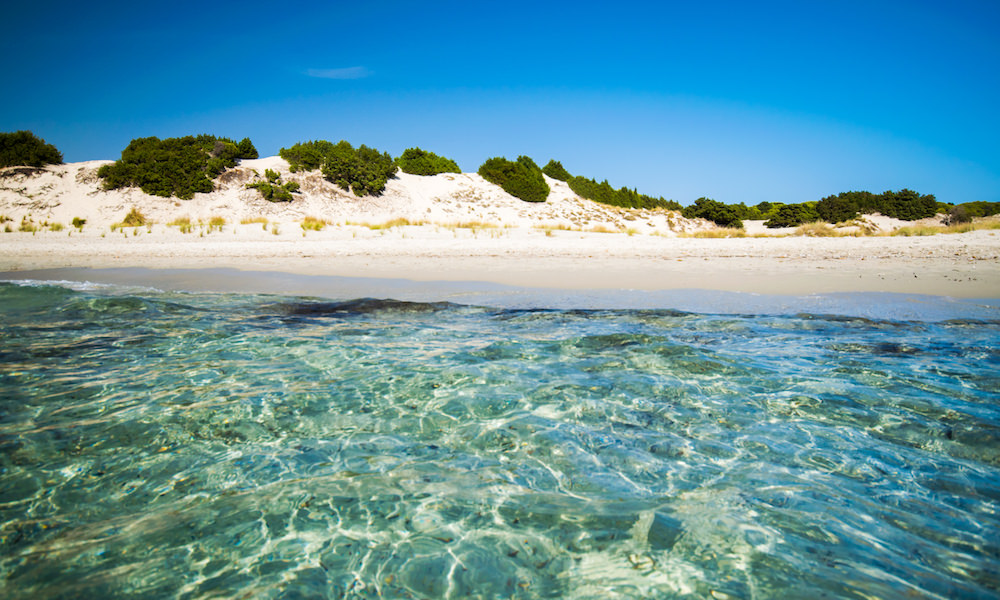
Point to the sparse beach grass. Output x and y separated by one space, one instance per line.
721 232
397 222
925 230
133 219
217 223
817 229
182 223
310 223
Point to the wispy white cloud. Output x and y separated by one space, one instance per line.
343 73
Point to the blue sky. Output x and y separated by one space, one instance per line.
737 101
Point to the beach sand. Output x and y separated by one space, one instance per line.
463 229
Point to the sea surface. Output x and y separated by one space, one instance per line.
163 444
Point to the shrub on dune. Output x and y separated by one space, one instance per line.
420 162
521 179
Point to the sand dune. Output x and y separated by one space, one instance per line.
462 228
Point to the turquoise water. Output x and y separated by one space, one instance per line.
165 444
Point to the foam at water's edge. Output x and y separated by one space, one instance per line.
874 305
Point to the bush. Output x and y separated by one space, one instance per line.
979 208
521 179
721 214
363 170
904 204
420 162
792 215
958 214
555 170
175 166
306 156
908 205
22 148
273 190
604 193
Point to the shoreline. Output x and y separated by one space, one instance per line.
959 265
871 305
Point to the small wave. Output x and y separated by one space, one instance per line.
85 286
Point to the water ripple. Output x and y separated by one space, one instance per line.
164 444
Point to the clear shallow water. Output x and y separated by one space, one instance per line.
183 445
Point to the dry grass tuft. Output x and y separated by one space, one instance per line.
817 229
182 223
312 223
398 222
721 232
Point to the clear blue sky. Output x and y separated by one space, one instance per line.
734 100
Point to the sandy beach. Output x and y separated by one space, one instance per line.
457 227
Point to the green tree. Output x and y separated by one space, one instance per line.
177 167
908 205
306 156
363 170
792 215
23 148
420 162
521 178
721 214
555 170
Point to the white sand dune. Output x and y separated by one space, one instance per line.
463 228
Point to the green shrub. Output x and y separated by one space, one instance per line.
306 156
904 204
958 214
623 197
420 162
174 166
521 179
555 170
22 148
273 190
79 223
792 215
981 208
603 192
721 214
362 170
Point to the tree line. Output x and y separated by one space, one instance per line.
187 165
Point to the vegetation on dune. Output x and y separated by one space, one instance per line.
362 170
793 215
273 190
24 149
556 170
177 167
904 204
964 213
521 178
721 214
603 192
187 165
421 162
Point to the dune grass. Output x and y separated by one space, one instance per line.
216 222
720 232
924 230
390 224
182 223
312 224
133 219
